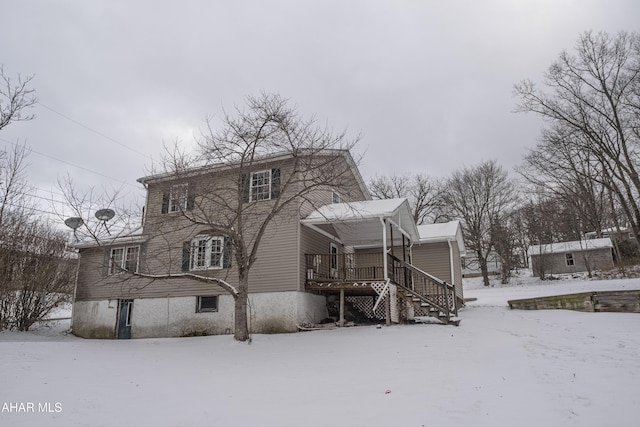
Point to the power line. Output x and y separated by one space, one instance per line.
76 166
96 132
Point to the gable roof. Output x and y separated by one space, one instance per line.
359 223
573 246
268 158
442 232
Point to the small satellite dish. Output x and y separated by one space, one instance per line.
73 222
105 214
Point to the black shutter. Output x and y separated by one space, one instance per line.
226 254
275 183
191 197
142 258
246 186
186 256
106 262
165 203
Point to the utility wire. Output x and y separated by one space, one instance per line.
96 132
76 166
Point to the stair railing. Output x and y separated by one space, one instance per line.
430 289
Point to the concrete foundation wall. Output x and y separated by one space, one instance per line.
95 319
272 312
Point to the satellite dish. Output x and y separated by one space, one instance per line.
105 215
73 222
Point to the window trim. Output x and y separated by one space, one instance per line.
178 198
121 269
193 256
199 308
569 259
268 173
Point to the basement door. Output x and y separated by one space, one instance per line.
125 308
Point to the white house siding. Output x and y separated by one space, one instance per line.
176 316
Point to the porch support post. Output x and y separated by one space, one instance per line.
341 323
384 249
387 305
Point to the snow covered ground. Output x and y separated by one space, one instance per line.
500 367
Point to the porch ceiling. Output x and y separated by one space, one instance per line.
358 224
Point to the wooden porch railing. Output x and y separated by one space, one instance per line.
354 267
437 296
431 290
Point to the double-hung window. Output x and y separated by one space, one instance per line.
569 259
124 259
261 185
178 196
207 252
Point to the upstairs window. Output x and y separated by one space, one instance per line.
335 197
262 185
179 198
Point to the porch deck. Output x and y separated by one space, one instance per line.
363 274
352 272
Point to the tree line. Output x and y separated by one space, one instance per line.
36 267
582 176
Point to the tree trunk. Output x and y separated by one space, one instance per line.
482 261
241 332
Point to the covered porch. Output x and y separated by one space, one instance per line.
376 238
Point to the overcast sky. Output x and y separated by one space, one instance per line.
428 84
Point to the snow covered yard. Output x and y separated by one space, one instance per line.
500 367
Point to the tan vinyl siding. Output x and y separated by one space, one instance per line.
279 265
433 258
312 242
457 269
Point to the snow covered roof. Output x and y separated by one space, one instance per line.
126 236
574 246
442 232
358 223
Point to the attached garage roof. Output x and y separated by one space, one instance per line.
358 223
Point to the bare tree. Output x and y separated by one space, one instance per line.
15 98
226 196
36 269
479 196
570 176
592 102
423 193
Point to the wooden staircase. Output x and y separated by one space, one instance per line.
429 295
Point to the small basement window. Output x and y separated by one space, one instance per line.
207 304
569 258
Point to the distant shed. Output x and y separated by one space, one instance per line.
572 257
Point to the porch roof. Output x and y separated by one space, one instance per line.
359 223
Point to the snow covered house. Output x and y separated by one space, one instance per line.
326 243
571 257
